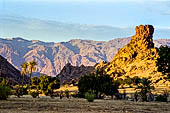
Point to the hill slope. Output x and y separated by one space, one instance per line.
8 71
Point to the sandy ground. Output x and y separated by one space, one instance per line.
75 105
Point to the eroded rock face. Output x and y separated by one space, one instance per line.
70 73
8 71
143 36
137 58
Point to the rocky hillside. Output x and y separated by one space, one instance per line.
52 57
71 73
9 71
137 58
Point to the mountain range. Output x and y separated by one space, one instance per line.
52 57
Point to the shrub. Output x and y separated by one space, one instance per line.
162 98
89 96
18 91
24 90
67 93
5 91
34 94
145 87
75 95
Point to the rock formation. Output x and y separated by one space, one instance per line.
8 71
137 58
70 73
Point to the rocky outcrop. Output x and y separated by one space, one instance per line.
71 73
52 57
9 72
137 58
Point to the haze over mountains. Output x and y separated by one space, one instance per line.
30 28
52 57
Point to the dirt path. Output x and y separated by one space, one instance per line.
74 105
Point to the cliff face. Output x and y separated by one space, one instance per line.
8 71
70 73
137 58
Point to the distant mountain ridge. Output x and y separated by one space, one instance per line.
52 57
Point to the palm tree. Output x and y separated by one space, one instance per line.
145 87
24 71
31 68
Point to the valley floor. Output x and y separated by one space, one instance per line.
75 105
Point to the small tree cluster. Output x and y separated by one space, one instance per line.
163 97
28 68
5 90
135 80
145 87
163 62
99 83
46 84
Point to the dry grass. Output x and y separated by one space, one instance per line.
75 105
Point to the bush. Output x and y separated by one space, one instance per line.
67 93
24 90
34 94
162 98
89 96
75 95
18 91
5 91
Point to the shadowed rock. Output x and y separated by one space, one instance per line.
70 73
9 72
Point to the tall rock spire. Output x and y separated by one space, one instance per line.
143 37
137 58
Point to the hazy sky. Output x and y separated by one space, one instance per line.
117 13
122 13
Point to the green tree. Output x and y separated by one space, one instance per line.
35 83
145 87
5 89
48 84
163 62
44 82
4 81
136 80
88 83
24 72
31 68
99 83
54 83
111 88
